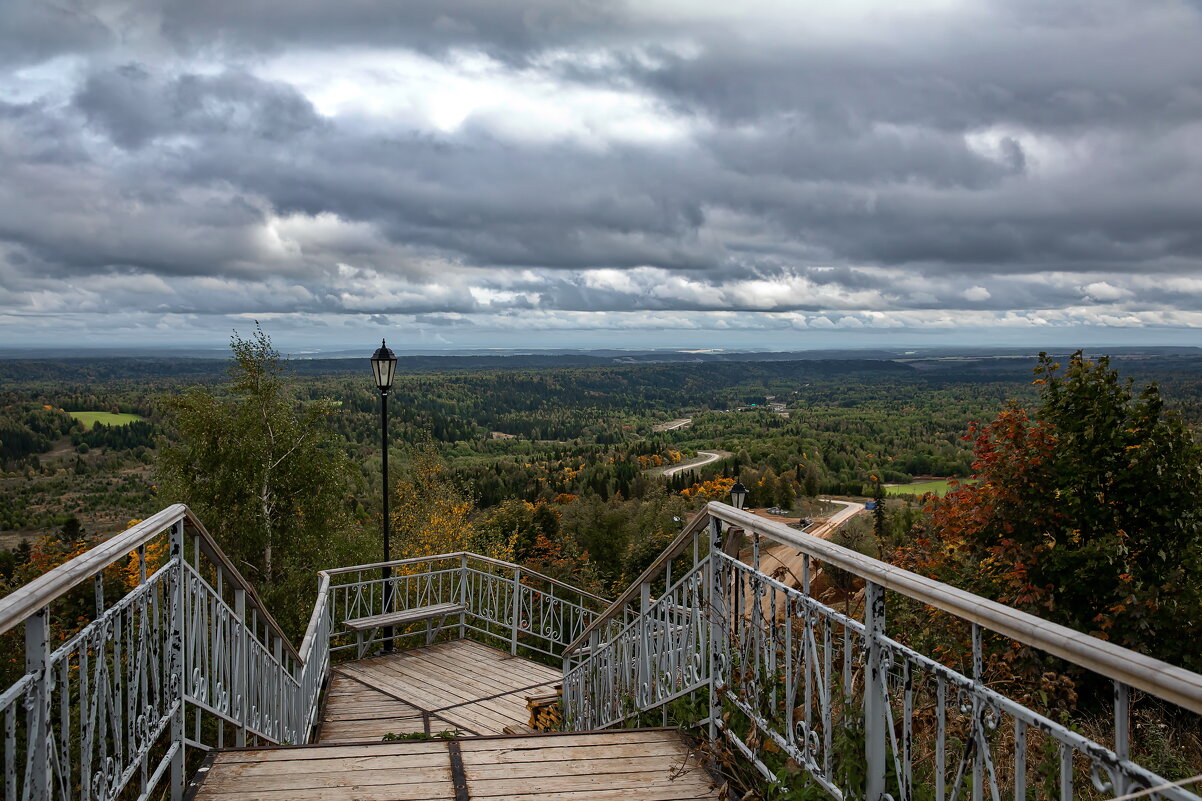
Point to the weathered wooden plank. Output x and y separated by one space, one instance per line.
465 667
332 777
643 794
460 681
504 657
488 718
491 655
424 684
530 785
651 763
429 791
557 753
425 697
311 752
580 738
398 762
483 657
634 765
361 730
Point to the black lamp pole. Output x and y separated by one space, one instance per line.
383 365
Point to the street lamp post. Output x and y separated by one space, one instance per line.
383 366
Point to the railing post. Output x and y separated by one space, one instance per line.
277 715
716 612
37 713
874 692
643 688
176 662
463 595
241 691
517 610
1122 731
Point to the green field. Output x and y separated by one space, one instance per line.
108 418
938 486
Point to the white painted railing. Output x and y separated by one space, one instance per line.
789 680
505 605
189 658
115 690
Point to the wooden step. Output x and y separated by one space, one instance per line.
632 765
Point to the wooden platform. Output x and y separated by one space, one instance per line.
453 686
638 765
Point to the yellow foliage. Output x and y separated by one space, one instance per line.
714 489
430 515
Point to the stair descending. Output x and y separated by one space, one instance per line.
474 693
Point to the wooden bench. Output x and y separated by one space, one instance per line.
403 618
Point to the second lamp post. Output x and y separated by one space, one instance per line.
383 365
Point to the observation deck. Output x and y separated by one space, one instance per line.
415 685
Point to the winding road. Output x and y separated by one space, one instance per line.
703 458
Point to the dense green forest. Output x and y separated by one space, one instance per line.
576 434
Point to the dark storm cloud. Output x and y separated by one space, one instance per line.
1008 156
133 106
511 29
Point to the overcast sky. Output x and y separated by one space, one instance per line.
673 173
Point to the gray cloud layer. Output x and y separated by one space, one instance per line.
593 164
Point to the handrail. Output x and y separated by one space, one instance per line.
49 587
456 555
1143 672
319 607
695 524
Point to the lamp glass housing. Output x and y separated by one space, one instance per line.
738 495
383 365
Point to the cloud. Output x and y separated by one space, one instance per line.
484 163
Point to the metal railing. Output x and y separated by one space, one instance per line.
115 690
113 693
792 683
505 605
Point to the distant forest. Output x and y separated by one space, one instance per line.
571 428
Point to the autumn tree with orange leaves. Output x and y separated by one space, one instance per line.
1086 512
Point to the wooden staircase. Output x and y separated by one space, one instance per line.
633 765
475 693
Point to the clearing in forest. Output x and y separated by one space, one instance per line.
89 419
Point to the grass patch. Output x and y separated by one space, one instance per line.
89 419
939 486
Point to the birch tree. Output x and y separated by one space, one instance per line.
263 472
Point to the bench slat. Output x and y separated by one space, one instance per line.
404 616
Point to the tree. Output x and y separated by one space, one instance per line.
431 514
72 530
264 473
1089 513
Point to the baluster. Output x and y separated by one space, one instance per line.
517 610
1020 761
281 702
37 714
463 595
714 590
643 683
874 691
176 663
977 732
240 664
1122 733
941 741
